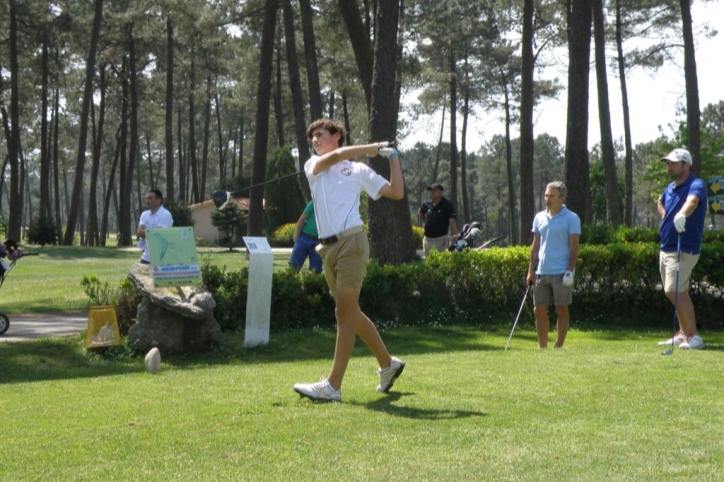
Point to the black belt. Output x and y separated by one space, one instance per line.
338 236
313 238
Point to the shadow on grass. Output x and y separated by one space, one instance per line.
306 345
56 359
84 252
388 405
66 357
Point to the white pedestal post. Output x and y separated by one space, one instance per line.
258 299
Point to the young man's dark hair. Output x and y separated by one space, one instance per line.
157 193
331 126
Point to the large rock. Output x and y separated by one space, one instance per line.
175 320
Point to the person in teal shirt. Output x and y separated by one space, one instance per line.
306 240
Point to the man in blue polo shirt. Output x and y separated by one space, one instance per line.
305 242
682 207
553 256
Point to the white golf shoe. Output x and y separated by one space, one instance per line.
677 340
693 342
318 392
389 375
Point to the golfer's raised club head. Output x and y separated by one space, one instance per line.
221 198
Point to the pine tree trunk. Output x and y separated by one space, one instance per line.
110 190
261 138
628 204
191 162
181 167
82 142
390 227
613 213
207 139
453 189
693 113
222 149
512 218
300 127
576 154
463 157
170 193
278 109
16 200
56 165
126 228
93 232
360 39
124 210
44 144
527 143
310 57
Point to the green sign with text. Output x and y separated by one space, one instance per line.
174 261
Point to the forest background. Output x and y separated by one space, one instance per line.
104 100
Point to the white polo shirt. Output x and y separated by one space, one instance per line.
160 219
336 193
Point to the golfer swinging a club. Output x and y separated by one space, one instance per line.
336 184
553 257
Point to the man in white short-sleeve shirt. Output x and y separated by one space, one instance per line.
336 183
156 216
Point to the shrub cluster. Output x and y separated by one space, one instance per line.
284 235
618 283
125 297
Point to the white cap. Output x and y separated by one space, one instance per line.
678 155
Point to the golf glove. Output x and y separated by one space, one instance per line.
568 278
680 222
386 149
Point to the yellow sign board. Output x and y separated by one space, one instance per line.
102 327
716 195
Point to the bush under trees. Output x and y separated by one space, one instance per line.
618 284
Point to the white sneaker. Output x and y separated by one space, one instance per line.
693 342
389 375
677 340
319 392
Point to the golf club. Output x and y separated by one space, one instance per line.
676 296
516 318
221 198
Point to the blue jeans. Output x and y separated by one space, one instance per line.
303 248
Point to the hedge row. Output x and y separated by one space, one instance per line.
618 283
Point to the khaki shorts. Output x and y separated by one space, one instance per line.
439 244
345 262
667 268
549 290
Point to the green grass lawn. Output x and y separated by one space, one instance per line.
50 282
606 407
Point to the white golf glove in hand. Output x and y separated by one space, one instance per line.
568 278
680 222
386 149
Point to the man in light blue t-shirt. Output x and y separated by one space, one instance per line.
553 256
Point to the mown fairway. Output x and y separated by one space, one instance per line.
50 282
606 407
